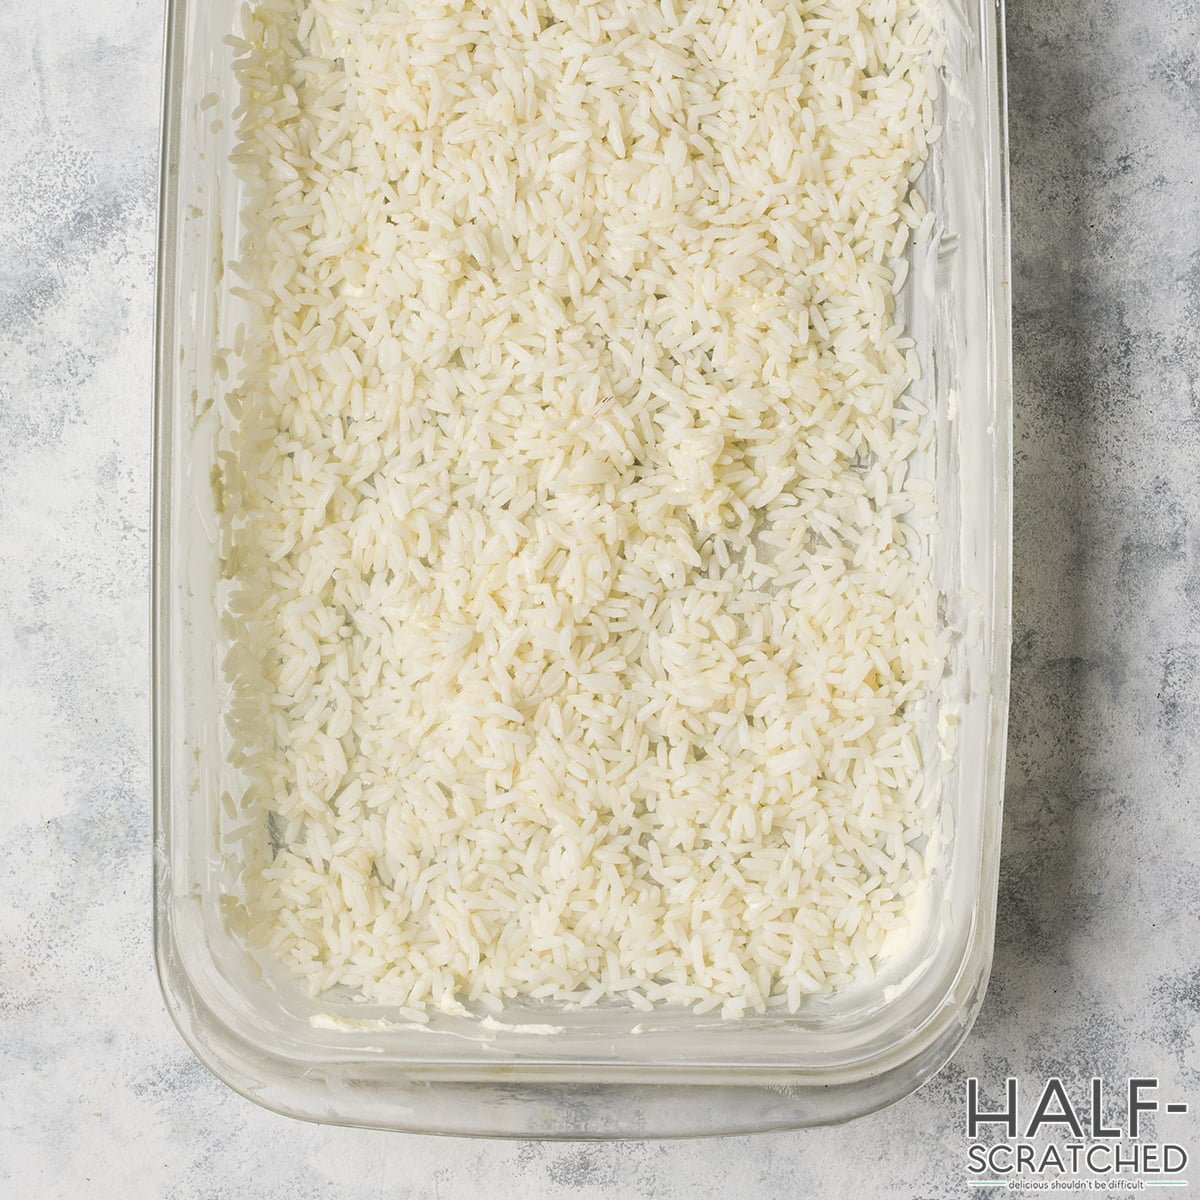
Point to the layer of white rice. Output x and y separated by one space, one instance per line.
580 594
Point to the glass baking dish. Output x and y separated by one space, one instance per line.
601 1072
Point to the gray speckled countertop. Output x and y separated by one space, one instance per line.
1098 954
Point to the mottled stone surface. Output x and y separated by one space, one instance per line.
1098 956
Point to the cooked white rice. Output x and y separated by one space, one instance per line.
579 602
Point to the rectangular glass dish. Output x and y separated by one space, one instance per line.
538 1070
